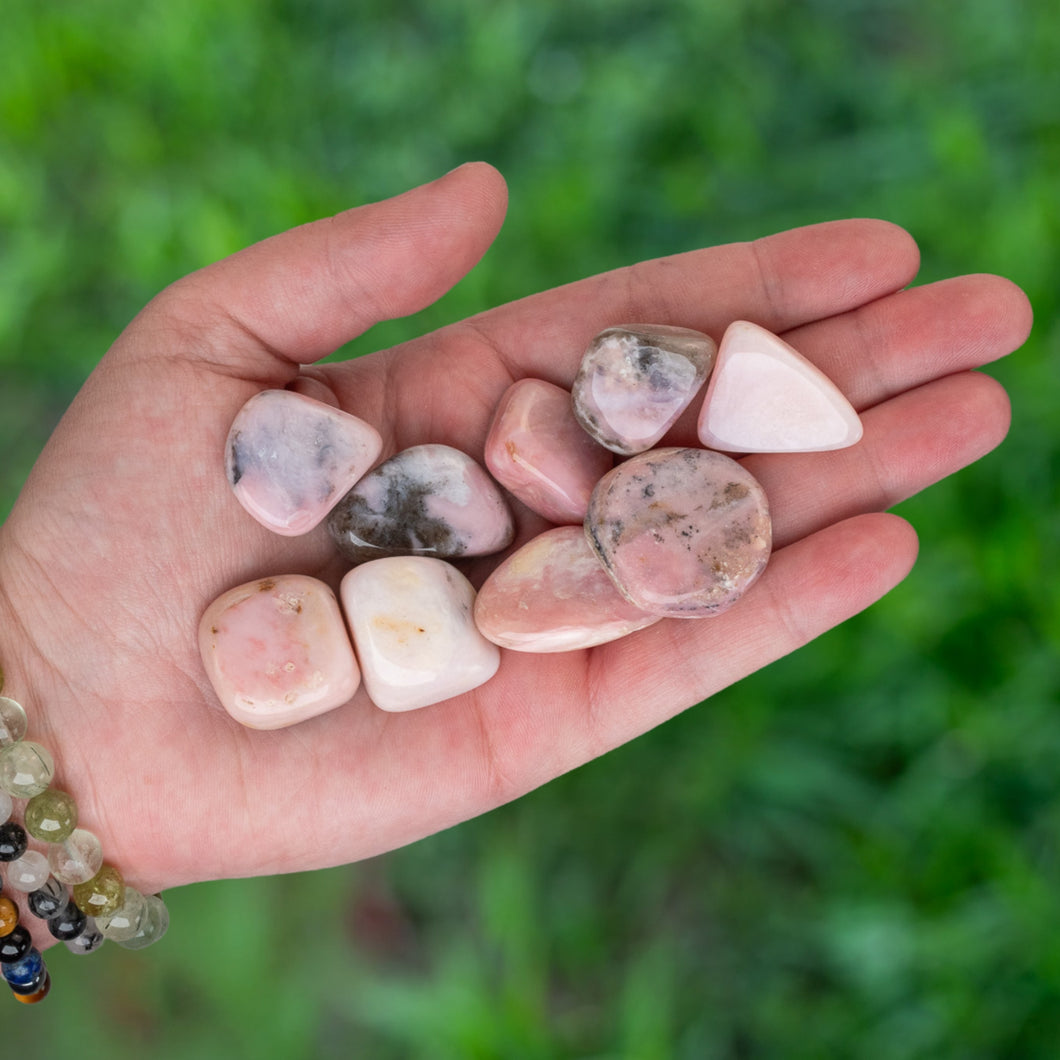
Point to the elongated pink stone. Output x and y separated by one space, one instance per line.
554 595
765 397
276 651
682 532
289 459
634 381
411 620
538 451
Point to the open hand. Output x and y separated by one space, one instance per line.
127 528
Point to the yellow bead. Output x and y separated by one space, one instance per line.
8 916
102 895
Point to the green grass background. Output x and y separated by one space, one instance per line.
852 854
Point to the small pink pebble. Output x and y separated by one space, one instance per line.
537 450
291 459
765 397
276 651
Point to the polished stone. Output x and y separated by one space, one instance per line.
682 532
412 623
539 452
276 651
554 595
289 458
765 397
430 500
634 382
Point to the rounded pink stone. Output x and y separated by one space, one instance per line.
635 380
538 451
682 532
290 459
277 652
552 595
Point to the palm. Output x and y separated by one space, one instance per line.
127 528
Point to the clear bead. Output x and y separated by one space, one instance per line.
7 805
125 922
26 769
91 938
76 859
12 721
153 925
51 816
28 872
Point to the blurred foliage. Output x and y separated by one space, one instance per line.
855 852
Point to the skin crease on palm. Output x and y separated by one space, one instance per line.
126 528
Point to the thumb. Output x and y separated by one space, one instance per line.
298 296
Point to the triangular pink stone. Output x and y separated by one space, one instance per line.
765 397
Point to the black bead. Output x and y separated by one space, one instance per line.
45 904
12 841
15 945
32 986
68 924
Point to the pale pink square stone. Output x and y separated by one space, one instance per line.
412 624
765 397
277 652
537 450
291 459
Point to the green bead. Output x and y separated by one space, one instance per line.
102 895
26 769
51 816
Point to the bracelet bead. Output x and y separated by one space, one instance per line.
91 938
12 720
13 841
28 872
7 806
125 922
102 895
48 900
26 971
26 769
153 925
68 924
15 945
50 816
8 916
39 992
77 858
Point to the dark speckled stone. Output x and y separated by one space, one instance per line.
430 500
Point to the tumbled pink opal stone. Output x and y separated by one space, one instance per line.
634 381
538 451
289 458
276 651
412 624
765 397
430 500
553 595
682 532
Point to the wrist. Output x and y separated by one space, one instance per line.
60 881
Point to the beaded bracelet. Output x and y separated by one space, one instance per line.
98 906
